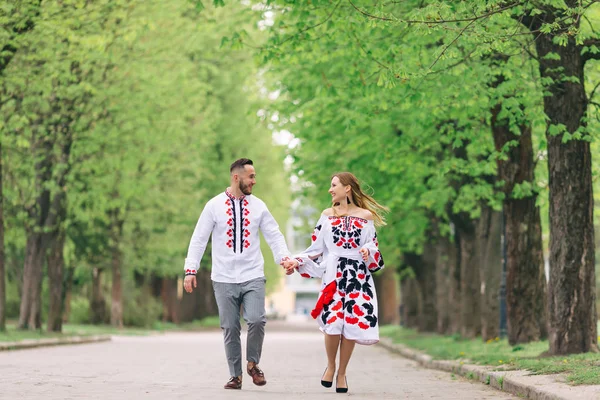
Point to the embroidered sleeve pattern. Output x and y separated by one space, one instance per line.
375 261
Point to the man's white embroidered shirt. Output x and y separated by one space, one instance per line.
234 224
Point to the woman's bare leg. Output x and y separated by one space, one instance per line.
346 348
332 342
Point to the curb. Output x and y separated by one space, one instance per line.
34 343
545 387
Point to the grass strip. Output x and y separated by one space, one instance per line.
580 369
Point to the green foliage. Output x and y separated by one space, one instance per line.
140 310
134 113
364 99
80 310
395 91
13 302
153 100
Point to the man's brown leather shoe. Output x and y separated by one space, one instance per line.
234 383
258 377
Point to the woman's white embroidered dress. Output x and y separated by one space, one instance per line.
347 302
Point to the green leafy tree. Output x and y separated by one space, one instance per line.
17 19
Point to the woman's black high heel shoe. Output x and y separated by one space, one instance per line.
326 384
342 390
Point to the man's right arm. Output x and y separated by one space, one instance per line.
199 240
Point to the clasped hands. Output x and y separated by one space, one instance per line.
289 264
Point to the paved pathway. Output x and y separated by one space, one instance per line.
192 366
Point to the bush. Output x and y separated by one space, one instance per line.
80 310
13 301
140 309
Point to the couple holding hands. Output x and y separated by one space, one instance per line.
344 253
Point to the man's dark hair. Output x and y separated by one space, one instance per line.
240 164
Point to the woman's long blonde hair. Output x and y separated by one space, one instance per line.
361 199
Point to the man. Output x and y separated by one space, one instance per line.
234 218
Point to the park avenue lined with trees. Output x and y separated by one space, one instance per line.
475 122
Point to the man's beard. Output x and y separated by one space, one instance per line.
245 189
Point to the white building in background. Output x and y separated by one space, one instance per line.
295 296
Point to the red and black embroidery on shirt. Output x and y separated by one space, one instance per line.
232 222
347 231
234 226
244 223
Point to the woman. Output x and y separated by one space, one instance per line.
344 253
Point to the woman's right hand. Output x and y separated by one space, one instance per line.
290 266
364 252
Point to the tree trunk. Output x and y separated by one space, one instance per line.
525 280
526 295
2 254
47 216
409 295
470 282
206 303
455 287
116 308
425 277
572 290
37 242
387 289
186 307
55 274
6 55
147 289
29 315
168 294
56 260
98 312
201 303
442 286
68 289
447 287
489 236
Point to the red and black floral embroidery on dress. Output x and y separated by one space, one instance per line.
347 302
